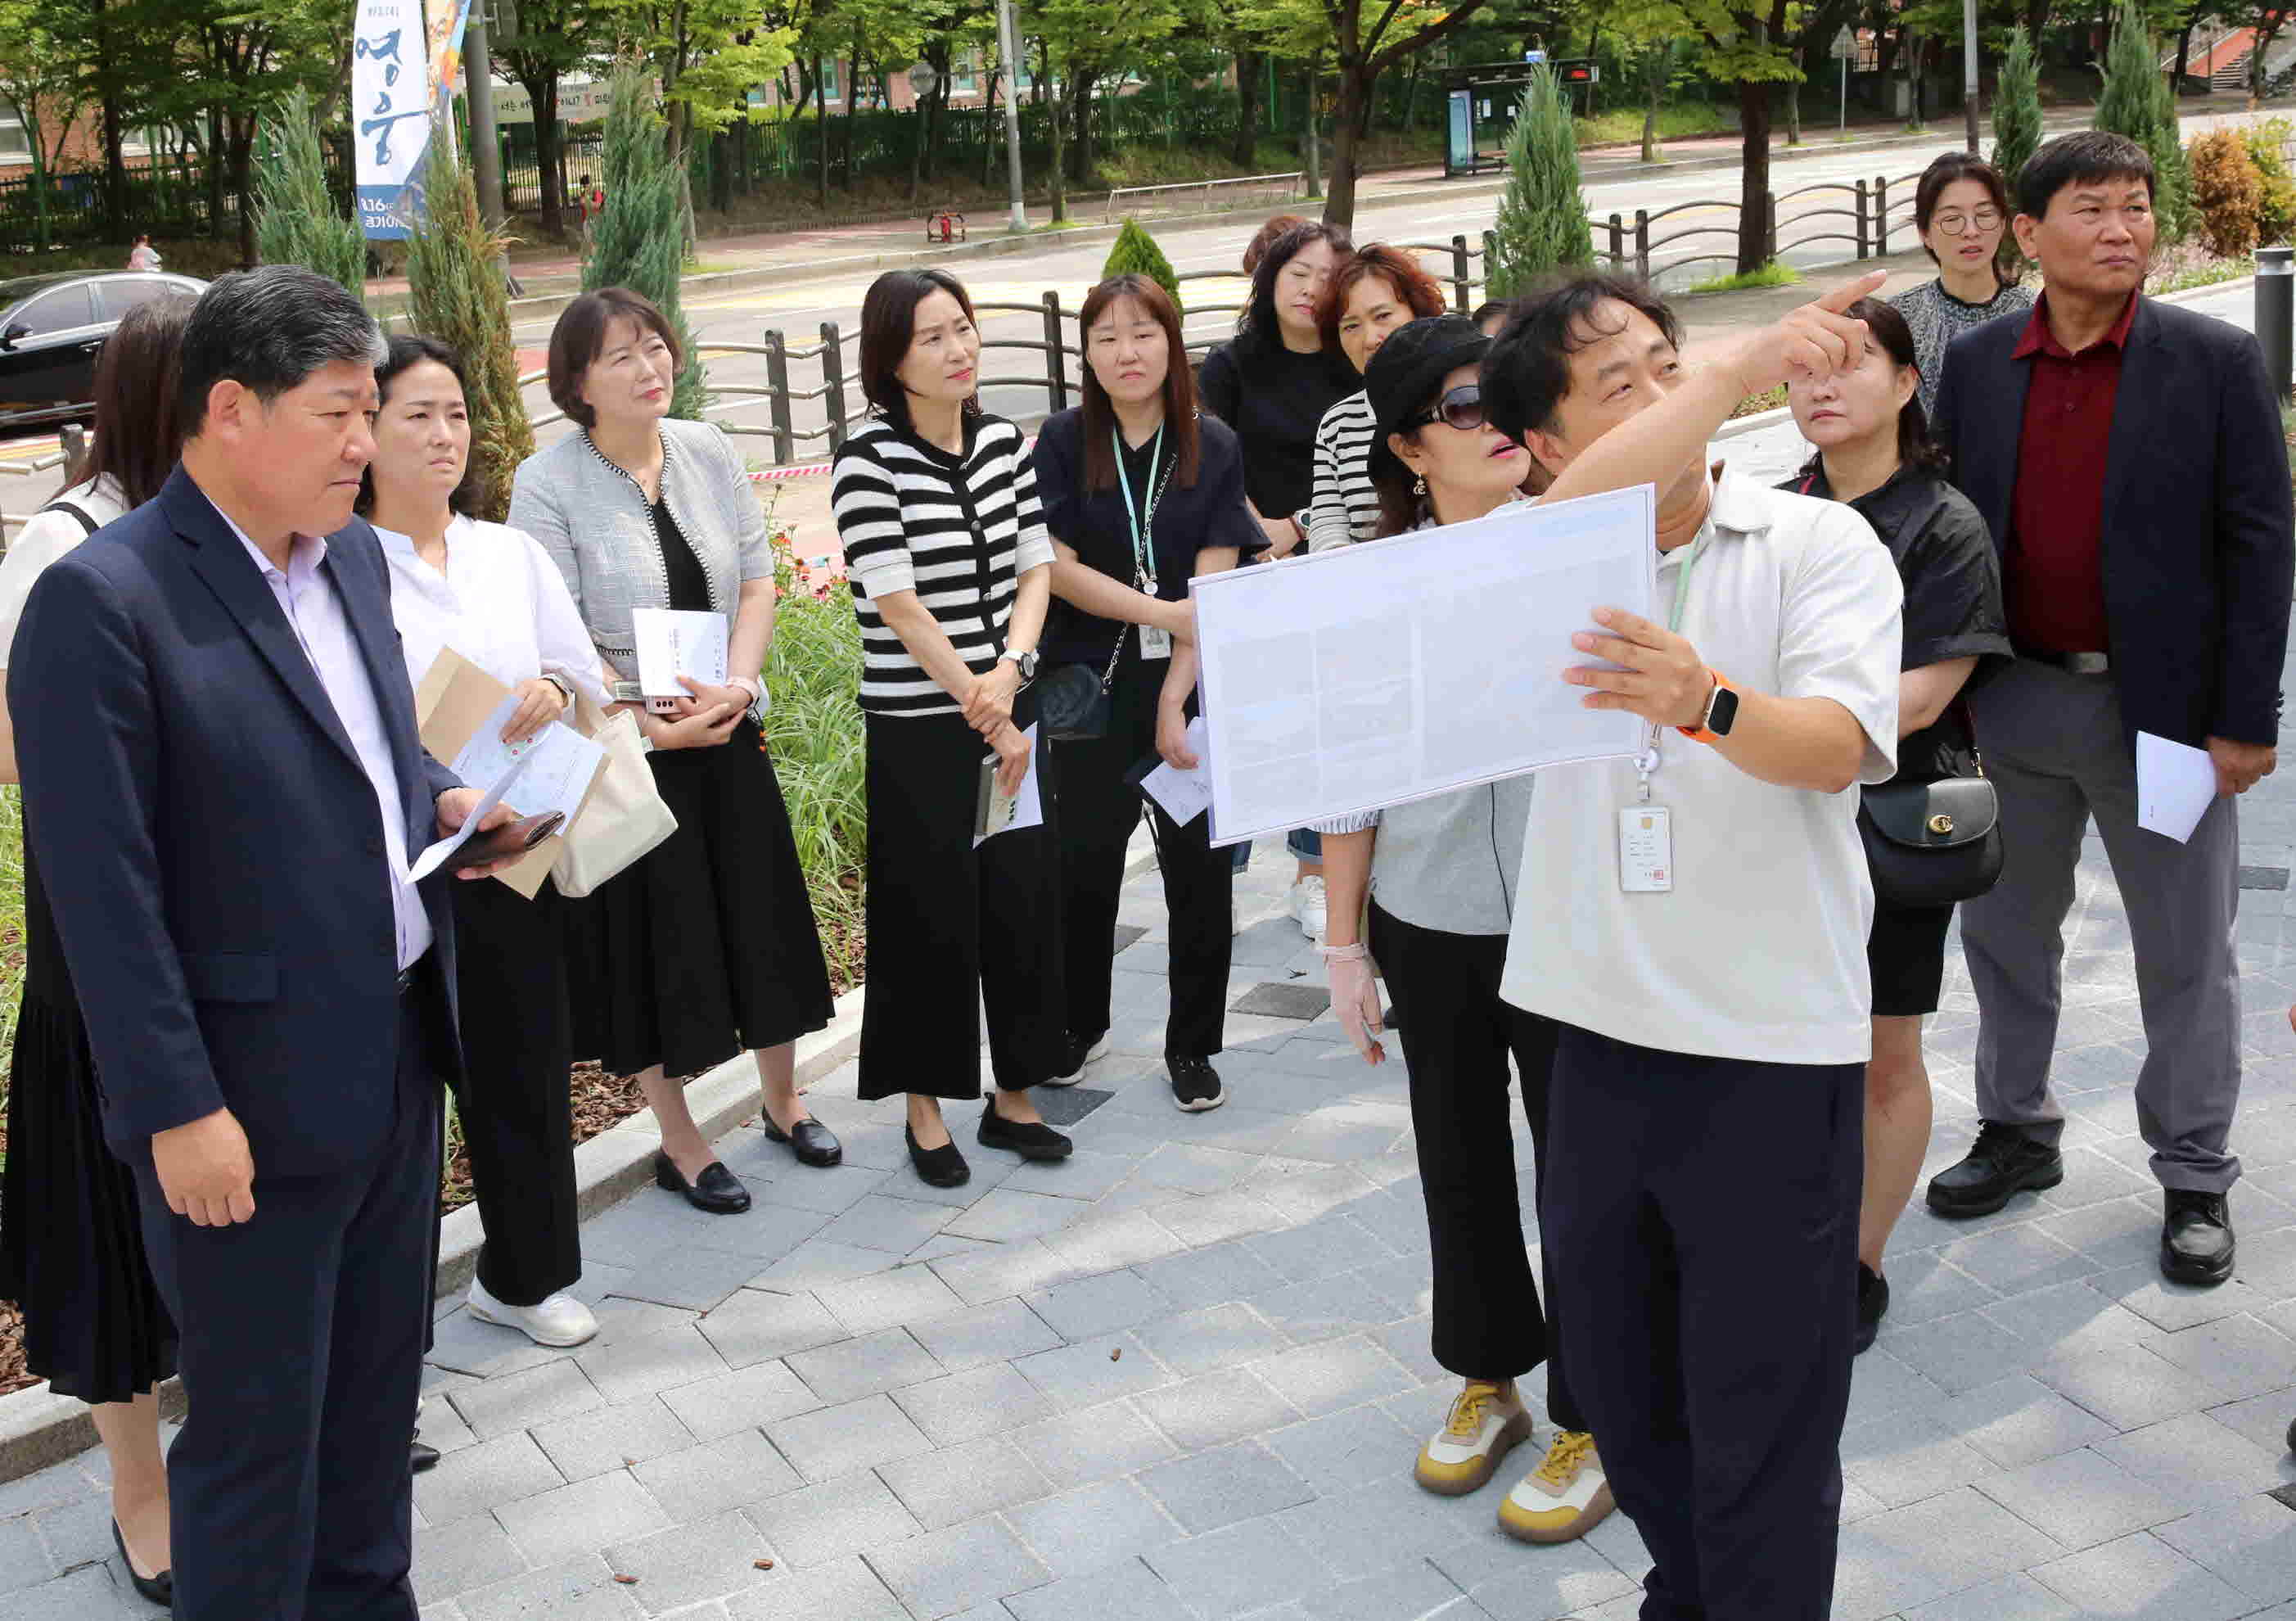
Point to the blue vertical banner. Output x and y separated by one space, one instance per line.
405 54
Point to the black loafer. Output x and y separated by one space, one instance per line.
716 1189
2196 1241
421 1455
1035 1140
159 1590
813 1143
1873 1305
2003 1162
941 1168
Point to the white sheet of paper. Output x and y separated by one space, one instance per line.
432 860
560 762
1373 675
1185 795
1026 808
2176 785
673 642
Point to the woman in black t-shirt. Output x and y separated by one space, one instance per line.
1272 382
1874 453
1139 494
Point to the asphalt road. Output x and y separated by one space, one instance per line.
799 309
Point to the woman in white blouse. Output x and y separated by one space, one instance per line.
490 593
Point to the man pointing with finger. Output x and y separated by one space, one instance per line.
1695 920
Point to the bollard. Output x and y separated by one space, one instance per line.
2276 294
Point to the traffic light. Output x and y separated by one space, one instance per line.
1576 73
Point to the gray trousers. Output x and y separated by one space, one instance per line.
2052 745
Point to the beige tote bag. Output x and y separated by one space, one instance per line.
624 817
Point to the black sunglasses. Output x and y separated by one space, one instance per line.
1461 409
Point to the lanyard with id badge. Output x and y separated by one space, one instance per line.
1646 830
1155 641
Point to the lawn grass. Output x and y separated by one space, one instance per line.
1771 274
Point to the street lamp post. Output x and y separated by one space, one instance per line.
1969 70
1007 45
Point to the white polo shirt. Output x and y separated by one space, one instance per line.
1759 951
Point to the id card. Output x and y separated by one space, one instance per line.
1646 850
1155 642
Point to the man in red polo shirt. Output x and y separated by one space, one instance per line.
2128 456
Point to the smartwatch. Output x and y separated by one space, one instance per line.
1025 663
1721 712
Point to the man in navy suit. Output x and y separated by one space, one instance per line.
223 784
2128 456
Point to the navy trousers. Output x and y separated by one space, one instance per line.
1701 1224
302 1336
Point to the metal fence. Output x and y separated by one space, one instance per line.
1873 210
1189 196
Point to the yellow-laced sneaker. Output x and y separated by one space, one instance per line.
1562 1499
1487 1422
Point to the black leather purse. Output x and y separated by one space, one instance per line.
1932 843
1072 703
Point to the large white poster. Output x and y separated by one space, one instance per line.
1372 674
405 54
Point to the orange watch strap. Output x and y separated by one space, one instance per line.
1699 734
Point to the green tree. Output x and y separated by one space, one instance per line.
40 76
2016 110
638 241
537 42
296 222
2135 100
1135 253
455 293
1542 215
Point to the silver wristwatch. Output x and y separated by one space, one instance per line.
1025 663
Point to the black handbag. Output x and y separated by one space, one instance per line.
1932 843
1073 704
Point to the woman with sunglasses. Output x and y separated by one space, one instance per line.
1374 292
1140 494
1438 877
1960 208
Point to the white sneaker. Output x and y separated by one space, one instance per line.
1308 908
1485 1424
1562 1499
559 1320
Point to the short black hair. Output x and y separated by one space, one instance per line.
2086 154
1527 373
268 329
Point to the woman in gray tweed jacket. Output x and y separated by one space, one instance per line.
707 945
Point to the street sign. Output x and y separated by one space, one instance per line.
1534 56
922 76
1845 44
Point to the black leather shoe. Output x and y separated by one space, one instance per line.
1873 1305
716 1189
2196 1243
813 1143
421 1455
2003 1162
1037 1140
941 1168
159 1590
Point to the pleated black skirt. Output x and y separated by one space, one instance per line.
706 947
71 1245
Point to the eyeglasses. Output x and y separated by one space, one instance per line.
1957 224
1461 409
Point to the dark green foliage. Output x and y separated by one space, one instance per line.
638 239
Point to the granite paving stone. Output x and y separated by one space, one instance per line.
849 1515
856 1367
944 1572
581 1518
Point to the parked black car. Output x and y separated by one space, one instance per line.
52 327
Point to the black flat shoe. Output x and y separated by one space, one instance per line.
941 1168
716 1190
2197 1242
159 1590
2003 1162
813 1143
1873 1305
1034 1140
421 1456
